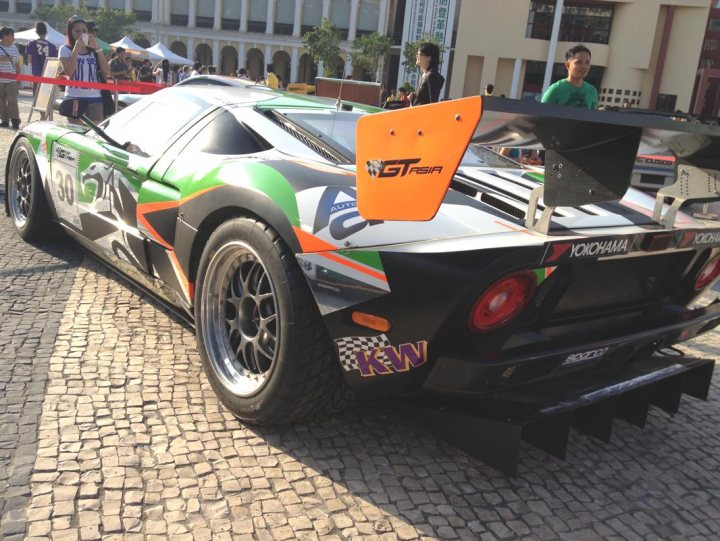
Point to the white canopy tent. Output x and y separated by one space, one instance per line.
53 36
134 50
162 51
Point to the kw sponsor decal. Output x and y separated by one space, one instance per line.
566 251
586 356
375 355
689 239
400 168
389 359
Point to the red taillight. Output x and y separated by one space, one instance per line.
708 273
502 301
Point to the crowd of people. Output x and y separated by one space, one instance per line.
83 60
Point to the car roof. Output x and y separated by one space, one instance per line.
213 95
220 80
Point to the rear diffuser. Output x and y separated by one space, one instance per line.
542 413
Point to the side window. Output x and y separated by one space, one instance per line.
151 123
226 135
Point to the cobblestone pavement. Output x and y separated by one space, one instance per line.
132 443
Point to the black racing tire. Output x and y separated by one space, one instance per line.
261 338
29 209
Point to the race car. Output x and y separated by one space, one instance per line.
320 247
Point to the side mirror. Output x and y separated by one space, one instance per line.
73 108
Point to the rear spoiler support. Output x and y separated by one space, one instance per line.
692 184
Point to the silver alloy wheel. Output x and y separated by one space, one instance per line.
240 323
21 190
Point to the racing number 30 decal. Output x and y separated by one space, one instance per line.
63 183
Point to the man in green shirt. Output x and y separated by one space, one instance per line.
573 90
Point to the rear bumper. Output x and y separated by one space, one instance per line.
455 375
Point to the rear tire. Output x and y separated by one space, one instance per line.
28 205
261 338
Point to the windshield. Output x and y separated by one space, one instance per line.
336 128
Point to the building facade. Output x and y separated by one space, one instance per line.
643 51
236 33
706 98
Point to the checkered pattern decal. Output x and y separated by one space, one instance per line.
374 167
348 345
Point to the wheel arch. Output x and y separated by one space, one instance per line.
226 205
19 137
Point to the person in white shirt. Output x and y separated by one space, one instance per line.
81 58
10 64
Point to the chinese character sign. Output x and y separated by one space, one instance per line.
427 17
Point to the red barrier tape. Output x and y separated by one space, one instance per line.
133 87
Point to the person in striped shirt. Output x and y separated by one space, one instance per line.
10 64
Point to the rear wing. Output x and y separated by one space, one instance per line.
406 159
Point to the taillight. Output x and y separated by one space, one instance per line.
708 273
503 301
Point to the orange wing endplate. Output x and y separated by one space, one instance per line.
406 159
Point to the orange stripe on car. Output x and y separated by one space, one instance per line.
355 266
310 243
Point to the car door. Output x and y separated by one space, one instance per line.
94 189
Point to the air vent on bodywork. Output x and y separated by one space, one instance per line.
502 206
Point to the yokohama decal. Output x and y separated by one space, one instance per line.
692 239
558 252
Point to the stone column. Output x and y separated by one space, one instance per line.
325 13
192 13
34 5
268 56
270 23
155 9
382 17
321 69
129 6
243 15
102 4
12 6
191 49
294 64
515 84
241 56
297 21
352 29
216 52
552 47
217 23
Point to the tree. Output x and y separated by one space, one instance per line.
323 45
369 51
113 23
410 48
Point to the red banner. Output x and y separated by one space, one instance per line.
132 87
